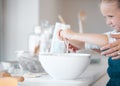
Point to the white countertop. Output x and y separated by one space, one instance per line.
91 75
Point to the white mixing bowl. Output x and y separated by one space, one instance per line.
64 66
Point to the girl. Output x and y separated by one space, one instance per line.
110 9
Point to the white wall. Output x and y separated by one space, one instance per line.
94 21
1 30
49 10
69 9
20 16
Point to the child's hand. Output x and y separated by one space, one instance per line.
59 35
65 34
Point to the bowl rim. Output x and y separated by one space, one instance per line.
64 54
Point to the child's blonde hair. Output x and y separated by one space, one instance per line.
111 1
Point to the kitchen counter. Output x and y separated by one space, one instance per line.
102 81
92 76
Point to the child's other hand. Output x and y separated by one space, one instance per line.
72 48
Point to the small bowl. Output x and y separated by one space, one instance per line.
7 64
64 66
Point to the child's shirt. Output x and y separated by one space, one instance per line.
110 39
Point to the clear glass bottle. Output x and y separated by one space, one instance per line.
34 41
46 37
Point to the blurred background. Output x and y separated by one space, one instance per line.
19 17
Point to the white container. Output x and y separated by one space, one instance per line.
57 45
64 66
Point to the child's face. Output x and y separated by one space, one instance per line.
111 12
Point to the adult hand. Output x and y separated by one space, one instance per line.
112 49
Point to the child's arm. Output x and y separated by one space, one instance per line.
97 39
79 39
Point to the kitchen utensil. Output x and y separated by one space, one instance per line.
81 18
61 19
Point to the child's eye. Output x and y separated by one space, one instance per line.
110 16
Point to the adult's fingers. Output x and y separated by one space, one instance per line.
117 36
111 51
113 54
117 57
108 46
